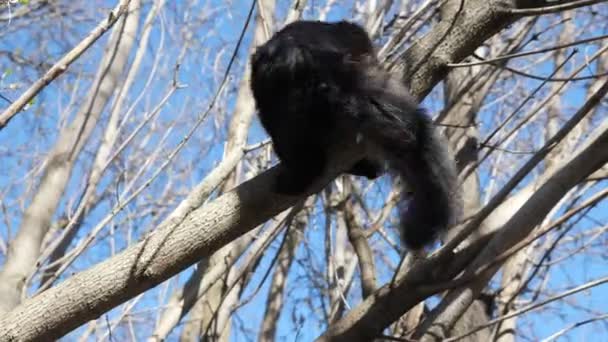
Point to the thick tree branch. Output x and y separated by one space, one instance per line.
174 247
590 157
166 252
455 37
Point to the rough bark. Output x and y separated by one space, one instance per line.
172 248
169 250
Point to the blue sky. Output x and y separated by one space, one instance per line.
33 132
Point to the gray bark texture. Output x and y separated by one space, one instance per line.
197 230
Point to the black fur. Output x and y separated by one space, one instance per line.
312 76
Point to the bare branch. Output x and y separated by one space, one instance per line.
531 307
61 66
25 249
527 53
551 8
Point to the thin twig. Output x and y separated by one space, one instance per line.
553 9
527 53
62 65
531 307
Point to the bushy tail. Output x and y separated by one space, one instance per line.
408 141
431 177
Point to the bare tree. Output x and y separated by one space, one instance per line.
135 200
